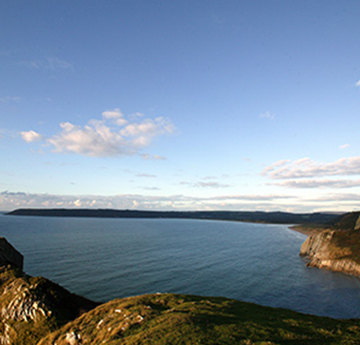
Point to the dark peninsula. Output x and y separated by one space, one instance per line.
243 216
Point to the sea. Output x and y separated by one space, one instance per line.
103 259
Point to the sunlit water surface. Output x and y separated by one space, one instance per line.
104 259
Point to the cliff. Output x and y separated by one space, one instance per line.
9 255
31 307
337 248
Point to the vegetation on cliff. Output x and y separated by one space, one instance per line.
182 319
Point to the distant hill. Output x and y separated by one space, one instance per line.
349 221
244 216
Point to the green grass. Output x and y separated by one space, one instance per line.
182 319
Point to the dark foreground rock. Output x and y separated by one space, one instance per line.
9 255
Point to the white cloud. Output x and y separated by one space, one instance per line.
31 136
357 83
116 115
112 136
345 146
307 168
267 115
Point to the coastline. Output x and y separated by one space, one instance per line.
306 230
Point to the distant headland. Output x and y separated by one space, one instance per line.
243 216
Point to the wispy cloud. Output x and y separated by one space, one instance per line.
267 115
345 146
147 156
307 168
312 183
255 198
357 83
113 135
348 198
146 175
16 99
204 184
49 64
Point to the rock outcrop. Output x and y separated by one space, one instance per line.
335 250
9 255
31 307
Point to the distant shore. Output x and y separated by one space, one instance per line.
242 216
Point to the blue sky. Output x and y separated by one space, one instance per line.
236 105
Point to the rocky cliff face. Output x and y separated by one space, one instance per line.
332 250
31 307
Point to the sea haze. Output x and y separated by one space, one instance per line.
104 259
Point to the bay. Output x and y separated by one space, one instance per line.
103 259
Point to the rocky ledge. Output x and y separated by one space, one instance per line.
32 307
337 248
322 251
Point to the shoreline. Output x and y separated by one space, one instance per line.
308 231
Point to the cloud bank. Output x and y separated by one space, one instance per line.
307 168
308 174
113 135
312 183
11 200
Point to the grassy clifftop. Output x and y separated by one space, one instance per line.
181 319
348 222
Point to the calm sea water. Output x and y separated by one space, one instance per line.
104 259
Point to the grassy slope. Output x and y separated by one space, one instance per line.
182 319
346 245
